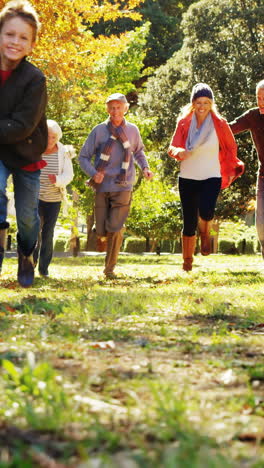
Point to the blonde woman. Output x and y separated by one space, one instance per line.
207 151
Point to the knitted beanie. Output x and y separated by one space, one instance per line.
201 90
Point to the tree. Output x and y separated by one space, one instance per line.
165 35
223 45
155 212
67 49
114 73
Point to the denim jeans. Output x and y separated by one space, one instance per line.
48 212
26 192
198 197
260 212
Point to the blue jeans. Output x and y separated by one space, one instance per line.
198 198
26 192
48 212
260 212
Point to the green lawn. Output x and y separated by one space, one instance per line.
160 368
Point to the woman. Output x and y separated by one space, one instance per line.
53 180
205 145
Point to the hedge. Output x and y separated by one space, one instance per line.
134 245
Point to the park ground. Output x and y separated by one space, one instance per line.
160 368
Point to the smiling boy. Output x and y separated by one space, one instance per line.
23 130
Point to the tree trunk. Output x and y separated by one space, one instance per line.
75 240
91 234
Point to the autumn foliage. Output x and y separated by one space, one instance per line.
67 49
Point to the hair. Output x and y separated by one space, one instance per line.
260 85
189 108
24 10
54 126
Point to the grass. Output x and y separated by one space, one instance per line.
160 368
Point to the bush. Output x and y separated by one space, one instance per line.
83 242
237 238
135 245
177 247
226 246
60 244
247 246
166 246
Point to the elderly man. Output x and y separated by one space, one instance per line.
115 145
253 121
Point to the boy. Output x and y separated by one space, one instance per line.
23 130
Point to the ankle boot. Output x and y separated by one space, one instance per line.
204 229
3 238
25 273
101 243
188 248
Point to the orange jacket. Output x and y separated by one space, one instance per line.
230 165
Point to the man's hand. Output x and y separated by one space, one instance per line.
147 173
98 177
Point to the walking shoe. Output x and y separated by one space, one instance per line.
44 275
25 273
111 275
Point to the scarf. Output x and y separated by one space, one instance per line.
197 136
116 133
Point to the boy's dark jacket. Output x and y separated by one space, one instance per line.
23 127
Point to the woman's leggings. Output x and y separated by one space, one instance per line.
198 198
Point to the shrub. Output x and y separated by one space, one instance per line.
247 246
83 242
227 246
166 246
60 244
135 245
237 238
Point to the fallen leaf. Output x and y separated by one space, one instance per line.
7 307
251 437
103 344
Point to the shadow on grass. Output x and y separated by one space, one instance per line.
123 258
210 322
168 442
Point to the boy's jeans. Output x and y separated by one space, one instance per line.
26 191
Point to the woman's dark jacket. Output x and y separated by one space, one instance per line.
23 127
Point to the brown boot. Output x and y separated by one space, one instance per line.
114 242
188 248
204 229
101 243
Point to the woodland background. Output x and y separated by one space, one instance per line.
153 51
160 368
